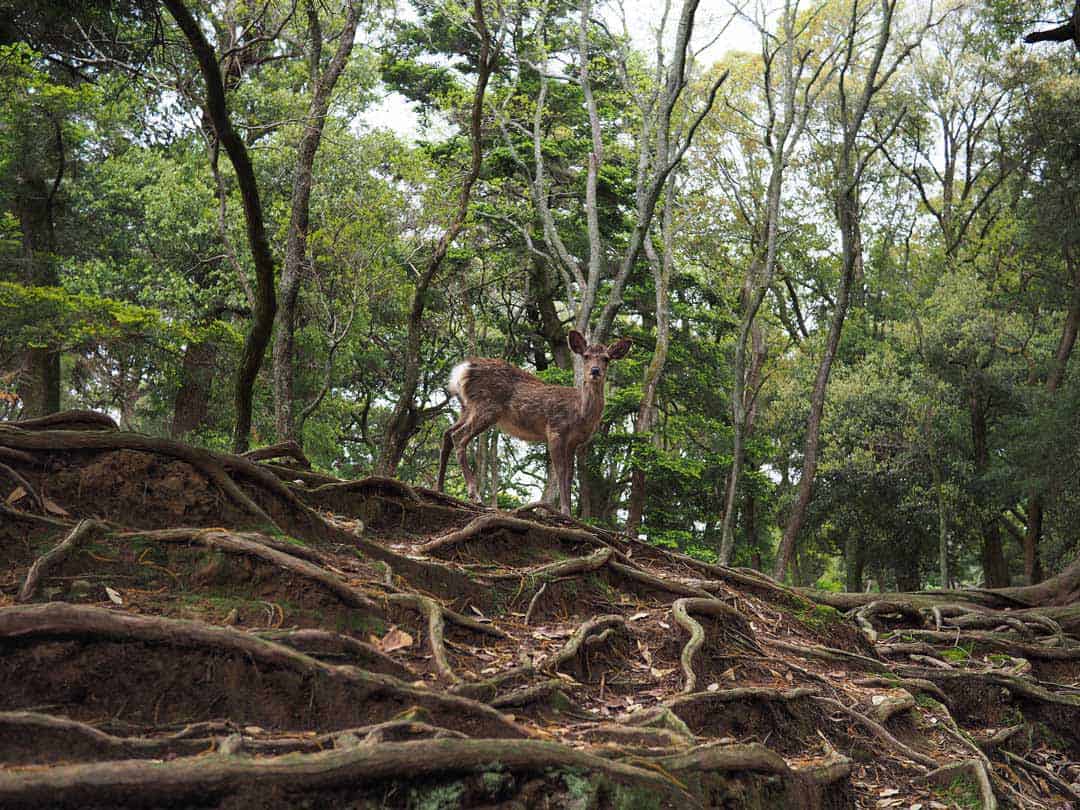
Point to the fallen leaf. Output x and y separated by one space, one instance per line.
713 687
54 508
395 640
888 792
638 616
483 618
17 494
114 596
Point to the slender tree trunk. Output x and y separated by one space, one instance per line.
38 384
647 415
744 410
406 416
848 215
292 269
258 336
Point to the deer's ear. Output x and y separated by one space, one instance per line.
619 349
577 342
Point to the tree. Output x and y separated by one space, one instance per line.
322 81
258 336
860 78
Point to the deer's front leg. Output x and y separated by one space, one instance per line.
563 459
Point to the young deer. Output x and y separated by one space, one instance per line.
493 392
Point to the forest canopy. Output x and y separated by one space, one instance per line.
843 238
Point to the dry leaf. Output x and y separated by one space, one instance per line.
54 508
114 596
17 494
638 616
888 792
395 640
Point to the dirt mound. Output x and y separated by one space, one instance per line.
273 637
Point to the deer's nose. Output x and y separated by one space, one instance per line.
595 371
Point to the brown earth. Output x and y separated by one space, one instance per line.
186 629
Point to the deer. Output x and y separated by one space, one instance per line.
494 392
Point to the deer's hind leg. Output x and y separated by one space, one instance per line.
444 453
472 426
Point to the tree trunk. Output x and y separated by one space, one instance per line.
192 402
406 417
647 414
251 357
296 243
38 384
995 571
848 215
854 562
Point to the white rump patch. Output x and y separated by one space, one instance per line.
457 380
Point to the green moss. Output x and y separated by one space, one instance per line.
819 617
961 792
496 783
582 792
437 797
927 702
956 654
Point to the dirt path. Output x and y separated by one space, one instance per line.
271 637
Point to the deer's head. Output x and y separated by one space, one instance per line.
597 356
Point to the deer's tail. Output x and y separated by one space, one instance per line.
444 456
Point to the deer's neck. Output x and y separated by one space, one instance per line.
592 402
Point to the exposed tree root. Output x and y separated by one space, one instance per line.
947 773
1018 687
494 522
591 633
625 671
131 782
916 685
882 607
278 553
878 731
37 734
324 644
57 619
287 449
82 532
1045 773
998 642
23 439
681 610
831 654
67 420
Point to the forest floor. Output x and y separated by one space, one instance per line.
180 628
